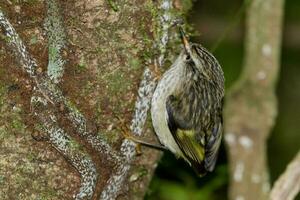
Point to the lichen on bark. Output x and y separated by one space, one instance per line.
107 53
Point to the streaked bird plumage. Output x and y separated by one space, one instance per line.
187 107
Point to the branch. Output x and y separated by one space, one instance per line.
287 185
251 105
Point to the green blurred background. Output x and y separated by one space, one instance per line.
174 179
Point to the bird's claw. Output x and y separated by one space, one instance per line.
128 135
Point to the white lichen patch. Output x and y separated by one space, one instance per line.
266 187
56 41
246 142
240 197
230 138
255 178
115 183
266 50
239 171
89 175
142 104
17 46
165 23
261 75
36 99
82 163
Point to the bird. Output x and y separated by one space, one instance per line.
186 107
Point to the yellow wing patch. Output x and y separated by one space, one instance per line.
191 148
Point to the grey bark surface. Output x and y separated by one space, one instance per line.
287 185
251 105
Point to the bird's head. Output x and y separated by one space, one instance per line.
197 58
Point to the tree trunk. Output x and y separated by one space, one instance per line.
70 70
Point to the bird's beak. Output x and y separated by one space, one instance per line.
185 41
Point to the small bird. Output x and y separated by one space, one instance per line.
187 105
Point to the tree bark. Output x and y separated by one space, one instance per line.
250 107
69 70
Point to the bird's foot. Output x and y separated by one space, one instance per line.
127 133
129 136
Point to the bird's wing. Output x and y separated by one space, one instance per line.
213 144
198 145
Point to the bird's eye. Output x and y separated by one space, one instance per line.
188 58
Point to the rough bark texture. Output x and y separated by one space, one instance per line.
250 108
68 68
